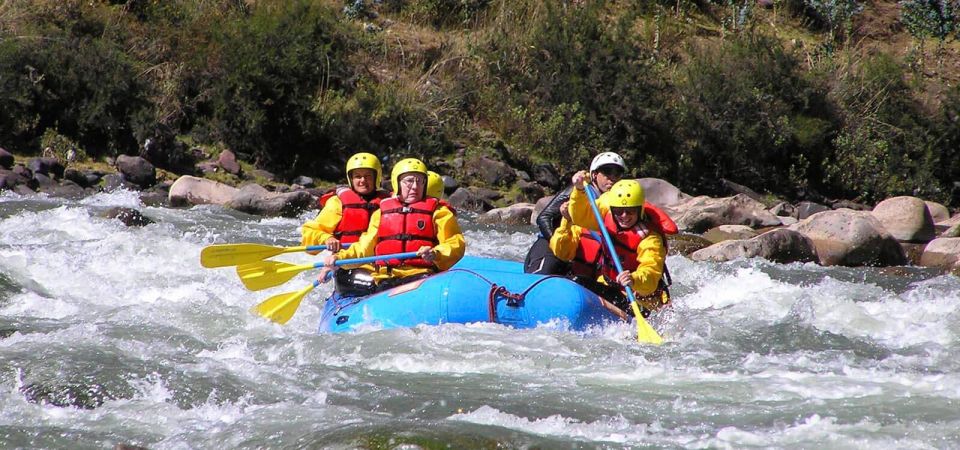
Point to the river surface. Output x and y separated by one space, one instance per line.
116 335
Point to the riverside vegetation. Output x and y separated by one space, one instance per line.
798 99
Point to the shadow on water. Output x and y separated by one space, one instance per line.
419 435
791 336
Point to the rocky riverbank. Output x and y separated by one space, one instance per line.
897 231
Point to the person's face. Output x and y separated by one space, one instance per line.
363 180
412 186
625 217
605 176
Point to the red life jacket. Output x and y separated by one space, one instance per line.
406 228
591 260
356 212
658 220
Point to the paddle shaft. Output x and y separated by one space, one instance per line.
606 238
221 255
346 262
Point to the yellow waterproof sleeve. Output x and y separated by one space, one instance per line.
565 240
321 228
452 245
651 255
582 213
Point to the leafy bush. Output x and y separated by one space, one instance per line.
72 76
567 82
886 146
835 14
63 147
937 19
441 13
749 115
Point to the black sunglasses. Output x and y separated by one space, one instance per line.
611 171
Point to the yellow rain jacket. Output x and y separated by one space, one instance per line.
450 249
651 254
321 228
582 213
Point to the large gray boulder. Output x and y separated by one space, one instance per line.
137 170
190 190
255 199
845 237
516 214
491 171
906 218
939 212
943 253
782 246
228 162
702 213
661 193
48 166
472 199
729 233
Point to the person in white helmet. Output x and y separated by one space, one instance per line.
606 169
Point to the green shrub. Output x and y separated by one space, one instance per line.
70 74
886 147
568 80
749 115
62 146
441 13
263 73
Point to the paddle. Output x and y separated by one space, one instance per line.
265 274
645 332
281 307
222 255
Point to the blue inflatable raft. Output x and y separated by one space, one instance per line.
475 290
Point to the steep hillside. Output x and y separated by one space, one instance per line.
800 99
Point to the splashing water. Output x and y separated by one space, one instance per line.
112 334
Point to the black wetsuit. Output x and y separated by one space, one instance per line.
540 259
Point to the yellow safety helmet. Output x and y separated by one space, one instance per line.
406 166
365 161
626 194
434 184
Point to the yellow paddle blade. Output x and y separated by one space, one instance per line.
645 333
222 255
281 307
266 274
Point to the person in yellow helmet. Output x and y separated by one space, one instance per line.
408 221
605 169
345 212
435 189
434 184
640 247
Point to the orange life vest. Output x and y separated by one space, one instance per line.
356 212
591 260
658 220
406 228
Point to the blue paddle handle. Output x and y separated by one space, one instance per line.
320 248
369 259
606 237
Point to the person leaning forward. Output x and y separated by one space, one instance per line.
606 169
639 246
408 221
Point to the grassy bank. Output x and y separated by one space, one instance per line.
794 99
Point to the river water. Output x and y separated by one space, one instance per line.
116 335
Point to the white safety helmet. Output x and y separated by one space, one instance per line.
607 158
